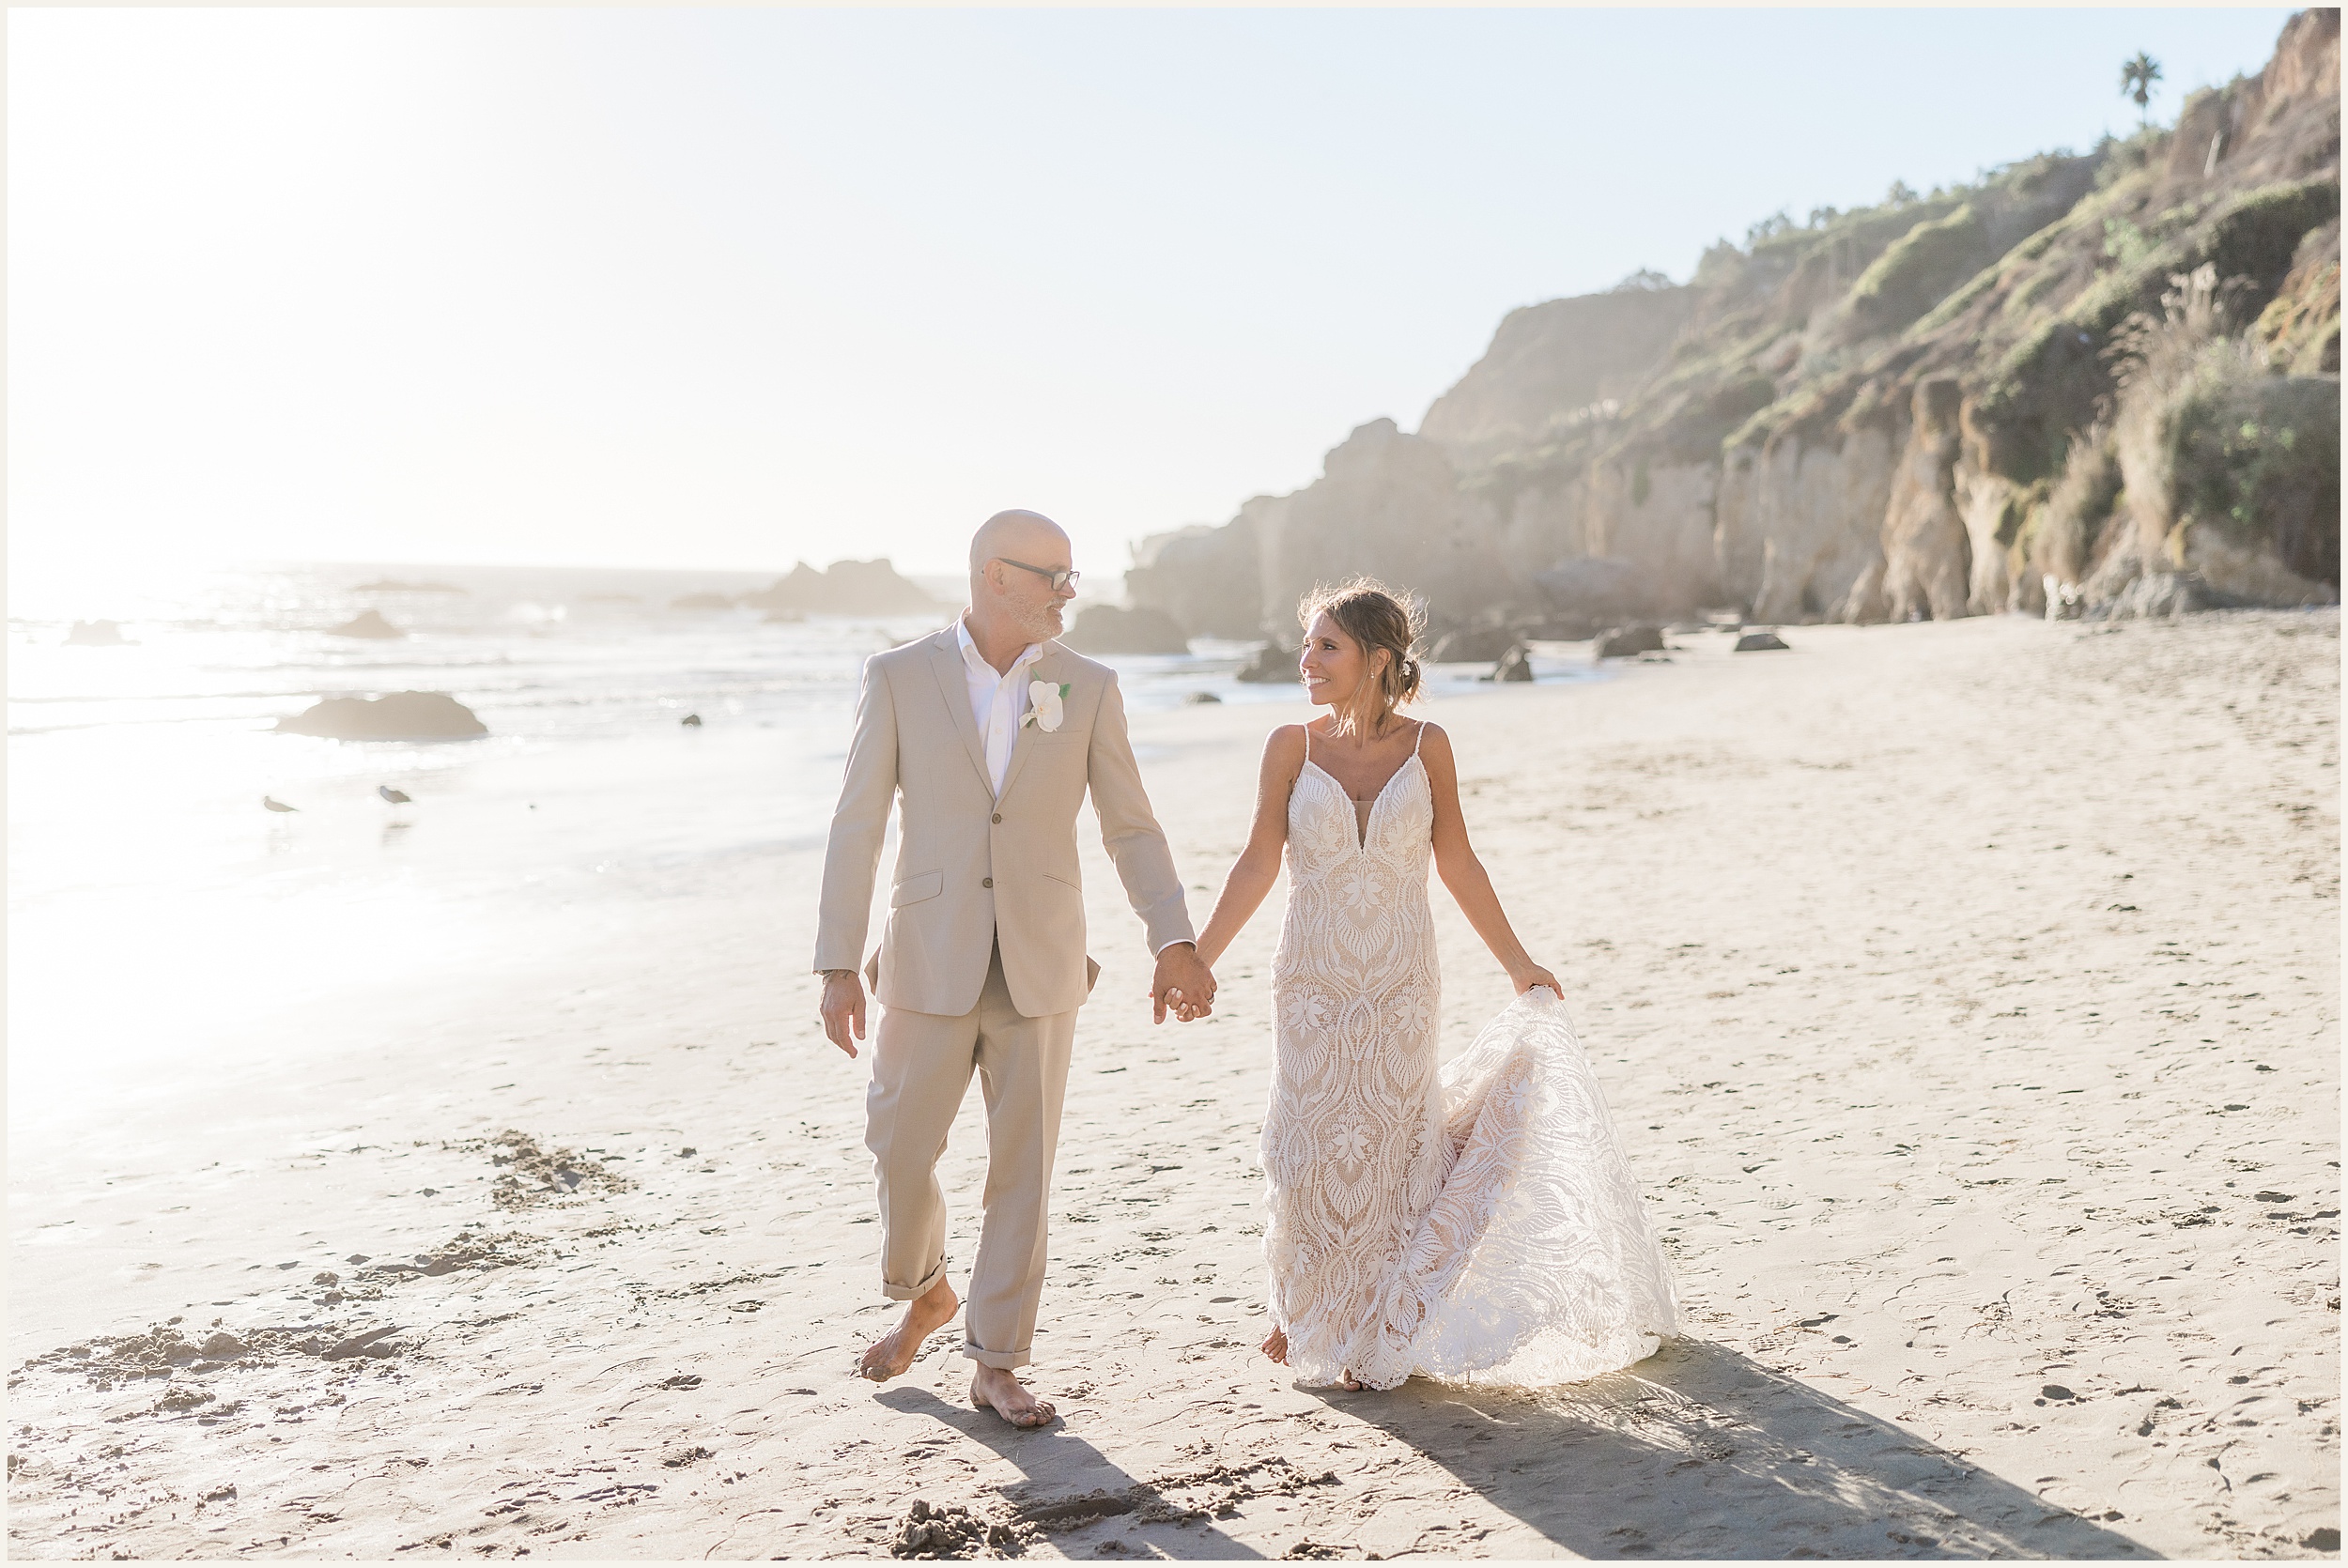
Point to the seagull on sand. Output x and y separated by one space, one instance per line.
397 797
268 805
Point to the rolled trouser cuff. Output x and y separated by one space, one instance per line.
1006 1360
914 1292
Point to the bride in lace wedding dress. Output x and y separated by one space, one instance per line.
1472 1220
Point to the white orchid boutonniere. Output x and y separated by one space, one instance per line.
1043 705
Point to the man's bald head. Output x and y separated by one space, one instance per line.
1018 601
1020 534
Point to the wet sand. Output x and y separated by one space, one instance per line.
1967 995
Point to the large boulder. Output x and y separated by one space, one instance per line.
844 588
1515 665
1472 645
367 623
1113 629
399 715
1624 641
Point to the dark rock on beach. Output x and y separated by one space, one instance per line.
1760 643
399 715
1114 629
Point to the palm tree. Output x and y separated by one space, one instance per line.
2137 77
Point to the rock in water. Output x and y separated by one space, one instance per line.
692 721
1272 665
367 623
1622 642
1759 642
1200 699
1515 665
1113 629
94 634
399 715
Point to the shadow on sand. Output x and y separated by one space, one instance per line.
1701 1452
1069 1485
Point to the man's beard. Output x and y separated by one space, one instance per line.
1042 622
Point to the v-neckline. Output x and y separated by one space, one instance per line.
1361 838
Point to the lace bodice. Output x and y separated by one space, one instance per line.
1478 1219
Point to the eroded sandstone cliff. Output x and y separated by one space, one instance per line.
2096 383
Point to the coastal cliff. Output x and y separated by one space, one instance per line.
2099 384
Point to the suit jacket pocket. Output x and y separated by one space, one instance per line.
913 889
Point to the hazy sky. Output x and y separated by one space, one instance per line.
732 287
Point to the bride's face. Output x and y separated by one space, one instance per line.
1332 664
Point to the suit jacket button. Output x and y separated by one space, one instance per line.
988 882
998 816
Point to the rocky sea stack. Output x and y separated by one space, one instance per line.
399 715
844 588
367 623
2097 384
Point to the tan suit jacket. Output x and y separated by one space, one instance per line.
974 871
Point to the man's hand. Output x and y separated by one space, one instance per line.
1182 983
844 1008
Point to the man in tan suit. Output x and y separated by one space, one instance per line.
991 733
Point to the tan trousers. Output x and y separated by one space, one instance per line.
921 1066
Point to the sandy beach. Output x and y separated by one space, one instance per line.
1966 993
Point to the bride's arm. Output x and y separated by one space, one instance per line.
1464 875
1258 865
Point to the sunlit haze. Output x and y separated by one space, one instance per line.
730 288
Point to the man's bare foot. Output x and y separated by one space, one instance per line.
893 1352
1277 1346
998 1388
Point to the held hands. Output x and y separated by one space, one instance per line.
1183 984
844 1008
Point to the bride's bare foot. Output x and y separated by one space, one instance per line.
1346 1382
1277 1346
998 1388
893 1352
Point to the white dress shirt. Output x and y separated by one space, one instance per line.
997 703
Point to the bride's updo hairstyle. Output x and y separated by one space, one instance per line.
1376 617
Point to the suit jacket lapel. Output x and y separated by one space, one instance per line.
1046 668
953 684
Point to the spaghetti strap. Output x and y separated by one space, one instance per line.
1309 742
1422 738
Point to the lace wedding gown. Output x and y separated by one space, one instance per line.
1475 1222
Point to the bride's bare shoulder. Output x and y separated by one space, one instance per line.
1284 747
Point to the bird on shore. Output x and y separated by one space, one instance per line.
270 805
397 797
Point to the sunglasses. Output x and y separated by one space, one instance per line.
1058 579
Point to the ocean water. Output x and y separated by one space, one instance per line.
161 916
